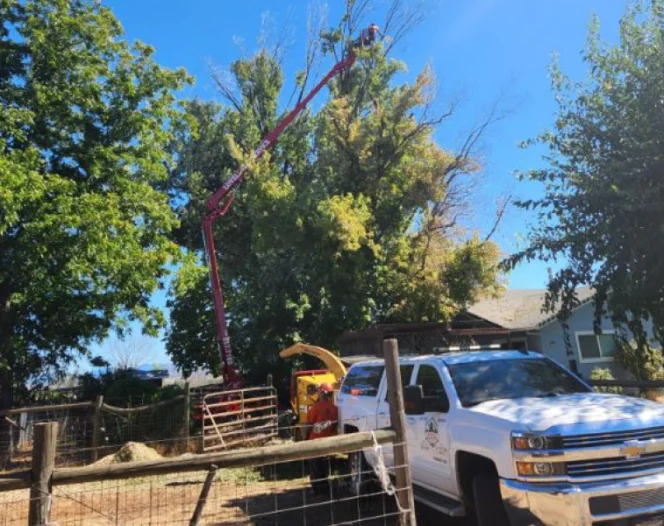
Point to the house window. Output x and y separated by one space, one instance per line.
596 348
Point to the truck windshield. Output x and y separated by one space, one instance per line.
481 381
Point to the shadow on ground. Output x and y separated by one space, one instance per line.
301 507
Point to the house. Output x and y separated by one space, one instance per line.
571 343
515 321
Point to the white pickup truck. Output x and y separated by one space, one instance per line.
514 438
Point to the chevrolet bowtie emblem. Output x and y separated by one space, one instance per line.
632 449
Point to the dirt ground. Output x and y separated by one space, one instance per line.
240 499
276 495
162 502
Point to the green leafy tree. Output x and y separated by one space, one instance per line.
351 219
601 212
642 359
85 124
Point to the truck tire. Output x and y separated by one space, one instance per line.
489 509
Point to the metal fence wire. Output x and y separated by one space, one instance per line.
74 434
164 426
316 492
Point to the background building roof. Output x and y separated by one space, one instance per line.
521 308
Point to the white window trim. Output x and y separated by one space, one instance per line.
592 360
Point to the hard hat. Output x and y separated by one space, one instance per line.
374 27
326 388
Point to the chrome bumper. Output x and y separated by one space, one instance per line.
566 504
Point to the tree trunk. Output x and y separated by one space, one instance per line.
6 402
6 374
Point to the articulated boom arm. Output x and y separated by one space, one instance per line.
217 207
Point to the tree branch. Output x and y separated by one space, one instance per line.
502 207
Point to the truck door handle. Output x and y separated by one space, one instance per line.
382 413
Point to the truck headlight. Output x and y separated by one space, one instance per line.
534 442
540 469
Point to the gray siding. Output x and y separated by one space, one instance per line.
553 342
534 342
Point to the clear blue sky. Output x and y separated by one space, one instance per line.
476 47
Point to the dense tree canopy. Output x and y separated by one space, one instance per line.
85 121
351 219
601 212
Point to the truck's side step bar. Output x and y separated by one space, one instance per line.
438 502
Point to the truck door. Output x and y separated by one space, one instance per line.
429 452
383 412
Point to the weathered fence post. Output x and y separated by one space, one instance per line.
404 487
96 429
187 412
43 463
202 499
270 380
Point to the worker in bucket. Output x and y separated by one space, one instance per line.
322 422
367 36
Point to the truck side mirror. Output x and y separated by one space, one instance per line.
413 400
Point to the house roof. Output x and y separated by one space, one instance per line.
522 308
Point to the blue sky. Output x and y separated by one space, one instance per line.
477 48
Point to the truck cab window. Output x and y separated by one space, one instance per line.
406 373
435 398
363 380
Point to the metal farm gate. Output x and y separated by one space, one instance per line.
232 418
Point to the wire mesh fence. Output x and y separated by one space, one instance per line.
165 426
74 435
315 492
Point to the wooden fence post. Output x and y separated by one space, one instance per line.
43 463
404 483
187 413
96 429
202 499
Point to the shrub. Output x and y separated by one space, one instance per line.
600 373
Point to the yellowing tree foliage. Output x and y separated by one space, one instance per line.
348 221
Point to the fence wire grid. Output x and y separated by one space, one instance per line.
160 426
317 492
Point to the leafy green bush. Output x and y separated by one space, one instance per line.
602 373
640 358
127 387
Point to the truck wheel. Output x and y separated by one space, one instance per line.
358 473
489 508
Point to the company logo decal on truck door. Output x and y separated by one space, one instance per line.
431 436
432 441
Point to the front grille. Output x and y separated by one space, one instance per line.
635 500
609 439
615 466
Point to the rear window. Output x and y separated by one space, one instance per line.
363 380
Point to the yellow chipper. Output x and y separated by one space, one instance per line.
305 383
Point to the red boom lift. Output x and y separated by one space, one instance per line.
221 200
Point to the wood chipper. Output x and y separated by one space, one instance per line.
304 384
